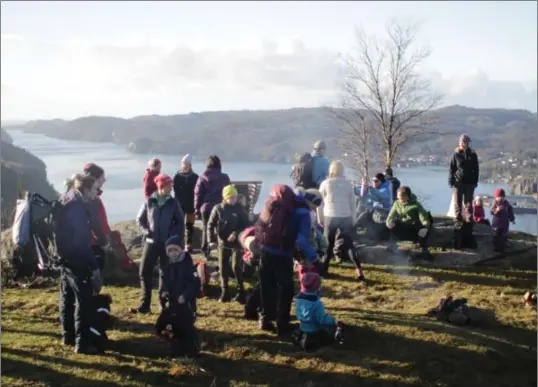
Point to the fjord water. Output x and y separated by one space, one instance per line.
123 190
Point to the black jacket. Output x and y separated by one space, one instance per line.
226 219
184 190
463 168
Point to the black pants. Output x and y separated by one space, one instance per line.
152 253
190 218
499 239
76 305
99 256
312 341
276 286
409 232
253 300
205 233
331 226
463 193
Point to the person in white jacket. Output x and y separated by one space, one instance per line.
339 205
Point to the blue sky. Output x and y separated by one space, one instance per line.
66 59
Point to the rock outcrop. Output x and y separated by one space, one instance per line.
524 186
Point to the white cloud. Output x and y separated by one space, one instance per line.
73 78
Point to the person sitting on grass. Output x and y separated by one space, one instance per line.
315 324
409 221
227 220
502 214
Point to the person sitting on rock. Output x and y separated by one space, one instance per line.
502 215
409 221
378 193
479 215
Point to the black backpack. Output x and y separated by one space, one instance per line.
302 175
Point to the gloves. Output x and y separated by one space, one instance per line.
391 224
97 281
422 232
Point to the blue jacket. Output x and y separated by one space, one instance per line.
301 224
382 195
311 313
74 237
160 221
179 279
320 168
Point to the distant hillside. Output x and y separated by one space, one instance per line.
5 137
20 171
277 135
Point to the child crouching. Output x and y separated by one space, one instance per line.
315 324
176 321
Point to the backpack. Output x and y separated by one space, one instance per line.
303 171
274 228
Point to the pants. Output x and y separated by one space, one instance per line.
312 341
276 286
152 253
409 232
253 300
463 193
331 225
189 226
225 253
99 256
499 239
205 233
75 305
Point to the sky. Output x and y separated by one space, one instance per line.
71 59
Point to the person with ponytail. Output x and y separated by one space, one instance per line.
80 276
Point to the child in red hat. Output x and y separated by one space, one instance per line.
502 215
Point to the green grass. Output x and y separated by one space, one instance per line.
391 342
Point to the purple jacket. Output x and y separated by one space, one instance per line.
74 238
502 219
208 189
160 222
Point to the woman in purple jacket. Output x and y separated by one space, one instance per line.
159 218
208 193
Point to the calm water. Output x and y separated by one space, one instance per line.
123 190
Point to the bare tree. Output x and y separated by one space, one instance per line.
383 83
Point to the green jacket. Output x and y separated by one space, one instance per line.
411 213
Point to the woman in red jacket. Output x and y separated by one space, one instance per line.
154 168
101 231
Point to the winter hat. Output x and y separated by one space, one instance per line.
313 197
228 192
499 193
187 159
94 170
380 177
162 180
477 200
465 139
174 240
310 282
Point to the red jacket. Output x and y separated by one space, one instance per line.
103 219
149 183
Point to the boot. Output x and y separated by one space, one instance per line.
86 350
224 295
240 296
360 275
266 326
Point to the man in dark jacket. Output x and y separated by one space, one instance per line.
208 193
394 183
159 218
463 175
184 183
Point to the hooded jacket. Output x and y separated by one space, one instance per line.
149 183
502 219
311 313
208 189
161 219
180 279
184 183
411 213
74 238
382 195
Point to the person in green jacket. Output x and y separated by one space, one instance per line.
409 221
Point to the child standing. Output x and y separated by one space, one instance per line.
176 321
502 215
315 323
226 221
479 215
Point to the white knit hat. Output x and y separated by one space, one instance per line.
187 159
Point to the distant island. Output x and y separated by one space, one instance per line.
278 135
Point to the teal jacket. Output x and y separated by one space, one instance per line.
311 313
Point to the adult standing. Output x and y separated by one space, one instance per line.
320 166
159 218
184 183
101 232
339 206
463 176
208 193
283 226
80 276
154 168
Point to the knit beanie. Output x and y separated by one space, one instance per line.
228 192
93 170
174 240
153 163
162 180
499 193
313 197
310 282
187 159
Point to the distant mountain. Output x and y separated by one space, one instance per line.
5 137
276 135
